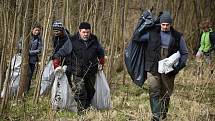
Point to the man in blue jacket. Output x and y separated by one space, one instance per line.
86 54
162 42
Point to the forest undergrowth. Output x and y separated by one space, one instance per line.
193 100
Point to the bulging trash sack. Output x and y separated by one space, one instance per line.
101 98
47 78
14 75
134 61
134 53
61 95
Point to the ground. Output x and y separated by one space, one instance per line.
193 100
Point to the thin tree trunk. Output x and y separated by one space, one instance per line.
125 10
45 44
5 94
63 15
67 17
38 10
7 79
113 40
5 38
25 51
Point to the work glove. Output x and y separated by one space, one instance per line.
101 63
176 69
56 63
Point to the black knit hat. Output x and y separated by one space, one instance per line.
166 17
84 25
58 25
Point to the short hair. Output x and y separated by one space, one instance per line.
37 25
205 23
84 25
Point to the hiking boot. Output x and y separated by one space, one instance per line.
155 108
154 118
164 107
164 116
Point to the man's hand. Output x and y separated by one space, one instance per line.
100 67
199 56
101 63
56 63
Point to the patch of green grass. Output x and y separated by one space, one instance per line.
26 110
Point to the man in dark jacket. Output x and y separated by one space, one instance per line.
35 48
61 35
162 42
86 54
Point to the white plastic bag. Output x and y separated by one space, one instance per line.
102 98
47 78
166 65
14 75
61 95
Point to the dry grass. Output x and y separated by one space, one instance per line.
193 100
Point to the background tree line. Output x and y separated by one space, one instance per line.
113 21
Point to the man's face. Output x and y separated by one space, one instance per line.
36 31
165 27
57 32
84 33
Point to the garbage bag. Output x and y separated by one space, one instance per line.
61 95
14 75
47 78
101 98
134 53
146 21
134 61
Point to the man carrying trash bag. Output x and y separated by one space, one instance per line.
86 54
156 42
60 36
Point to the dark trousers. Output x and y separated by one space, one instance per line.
83 89
161 87
89 85
30 75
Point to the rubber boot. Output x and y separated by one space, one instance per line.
164 107
155 108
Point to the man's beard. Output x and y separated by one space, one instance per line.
85 38
165 30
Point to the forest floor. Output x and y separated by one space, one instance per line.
193 100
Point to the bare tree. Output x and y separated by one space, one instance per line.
25 51
5 38
46 37
7 79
